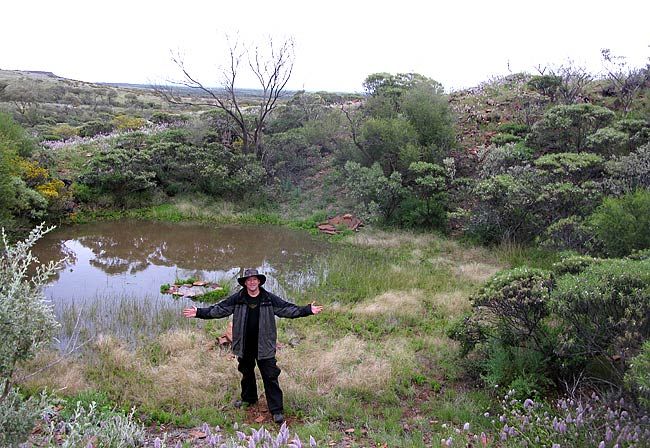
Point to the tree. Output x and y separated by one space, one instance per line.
272 68
626 81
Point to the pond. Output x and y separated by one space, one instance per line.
111 279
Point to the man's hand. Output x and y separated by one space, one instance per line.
189 312
315 309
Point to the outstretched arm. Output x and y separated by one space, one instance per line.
221 309
189 312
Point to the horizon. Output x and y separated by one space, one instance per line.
459 45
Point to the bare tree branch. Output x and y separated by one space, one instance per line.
271 68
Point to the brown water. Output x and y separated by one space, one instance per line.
113 273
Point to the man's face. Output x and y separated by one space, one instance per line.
252 284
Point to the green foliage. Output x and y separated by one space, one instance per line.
182 166
623 224
608 141
547 85
92 128
122 170
637 378
605 309
512 128
90 425
428 112
570 233
574 264
565 128
383 140
215 295
377 196
426 209
27 324
628 173
128 122
517 300
501 139
18 417
504 211
570 166
501 159
13 137
291 156
520 370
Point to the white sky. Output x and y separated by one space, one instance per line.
338 42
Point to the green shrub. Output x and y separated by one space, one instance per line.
377 196
623 224
637 378
501 139
574 264
18 417
565 128
569 233
630 172
517 300
518 369
92 128
514 129
27 324
605 312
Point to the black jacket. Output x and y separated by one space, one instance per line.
270 306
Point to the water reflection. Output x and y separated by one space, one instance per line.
113 263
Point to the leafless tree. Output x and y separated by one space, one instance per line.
626 81
271 66
573 81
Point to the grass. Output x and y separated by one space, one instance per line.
376 360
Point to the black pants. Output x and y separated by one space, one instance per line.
270 373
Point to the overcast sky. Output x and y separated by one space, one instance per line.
338 42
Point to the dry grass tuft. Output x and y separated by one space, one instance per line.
476 272
180 340
452 303
407 303
378 238
63 375
114 350
347 364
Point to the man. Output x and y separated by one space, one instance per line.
254 335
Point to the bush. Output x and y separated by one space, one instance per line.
128 123
501 139
569 233
637 377
90 426
630 172
377 196
513 128
623 224
18 417
92 128
27 324
574 264
565 128
517 301
605 312
505 208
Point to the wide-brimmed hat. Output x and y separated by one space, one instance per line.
251 273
